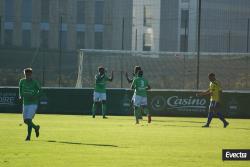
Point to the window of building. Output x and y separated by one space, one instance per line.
44 26
63 5
26 10
9 10
44 39
45 10
98 40
80 12
8 37
184 43
63 31
147 42
184 18
99 12
63 39
80 40
0 31
26 38
147 16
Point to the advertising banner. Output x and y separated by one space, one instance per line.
160 102
177 103
9 100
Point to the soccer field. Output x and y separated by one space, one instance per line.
70 141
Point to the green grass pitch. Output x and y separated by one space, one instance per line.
68 141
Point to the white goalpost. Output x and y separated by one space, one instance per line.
164 70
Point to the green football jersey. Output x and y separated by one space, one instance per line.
140 84
29 90
100 83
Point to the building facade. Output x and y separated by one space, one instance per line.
140 25
146 25
66 24
224 25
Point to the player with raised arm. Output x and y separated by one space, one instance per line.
130 80
140 86
29 91
136 69
215 93
100 90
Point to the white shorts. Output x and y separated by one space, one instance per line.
140 101
29 111
99 96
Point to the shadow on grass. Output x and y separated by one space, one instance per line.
182 126
78 143
242 128
198 122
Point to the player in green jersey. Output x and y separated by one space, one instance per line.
29 91
130 80
215 92
100 90
136 69
140 85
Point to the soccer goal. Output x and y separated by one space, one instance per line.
164 70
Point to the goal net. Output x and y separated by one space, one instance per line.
165 70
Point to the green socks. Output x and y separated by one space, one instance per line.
93 109
104 108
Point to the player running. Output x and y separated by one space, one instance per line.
100 90
29 91
140 85
215 92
